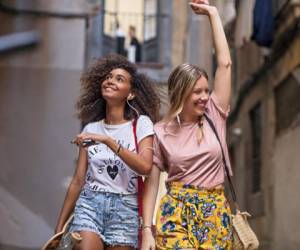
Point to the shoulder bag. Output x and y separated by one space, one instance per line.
244 237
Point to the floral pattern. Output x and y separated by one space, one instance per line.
191 217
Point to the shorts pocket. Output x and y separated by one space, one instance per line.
130 201
87 194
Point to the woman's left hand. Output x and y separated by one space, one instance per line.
201 7
80 138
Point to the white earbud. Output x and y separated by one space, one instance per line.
130 97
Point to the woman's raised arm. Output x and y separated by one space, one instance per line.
222 83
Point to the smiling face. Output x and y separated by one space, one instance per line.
195 102
188 92
116 86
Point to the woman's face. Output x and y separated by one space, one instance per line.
116 86
196 101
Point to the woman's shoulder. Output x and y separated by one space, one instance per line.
160 123
160 126
214 109
144 120
91 126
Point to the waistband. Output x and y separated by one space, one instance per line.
187 192
101 192
188 187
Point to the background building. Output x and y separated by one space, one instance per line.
264 127
39 84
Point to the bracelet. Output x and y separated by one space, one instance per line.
118 149
144 227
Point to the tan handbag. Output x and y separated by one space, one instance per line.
244 237
63 240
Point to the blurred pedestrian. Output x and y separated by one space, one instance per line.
120 40
118 105
194 214
134 51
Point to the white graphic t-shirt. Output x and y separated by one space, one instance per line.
106 170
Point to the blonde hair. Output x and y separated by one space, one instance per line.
180 84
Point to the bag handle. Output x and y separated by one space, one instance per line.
67 222
231 187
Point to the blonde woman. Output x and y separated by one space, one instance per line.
194 214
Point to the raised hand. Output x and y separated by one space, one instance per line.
201 1
201 7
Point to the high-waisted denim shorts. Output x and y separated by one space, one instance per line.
114 217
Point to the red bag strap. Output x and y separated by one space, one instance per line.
140 179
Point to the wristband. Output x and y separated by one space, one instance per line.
119 148
145 226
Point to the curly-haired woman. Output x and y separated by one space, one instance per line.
118 105
194 214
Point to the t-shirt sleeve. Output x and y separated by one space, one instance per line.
215 110
217 115
86 128
158 158
144 127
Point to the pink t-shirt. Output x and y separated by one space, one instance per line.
177 151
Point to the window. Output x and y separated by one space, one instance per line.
119 15
128 24
256 134
150 19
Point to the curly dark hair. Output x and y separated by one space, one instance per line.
91 104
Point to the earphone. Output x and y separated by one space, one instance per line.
130 97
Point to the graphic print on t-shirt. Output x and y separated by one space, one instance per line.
113 167
132 184
107 172
106 162
112 171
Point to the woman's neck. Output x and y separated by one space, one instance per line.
114 115
188 118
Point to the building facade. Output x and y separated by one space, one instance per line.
39 86
263 128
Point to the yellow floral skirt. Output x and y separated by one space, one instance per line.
193 218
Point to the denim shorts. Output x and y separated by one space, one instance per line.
114 217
